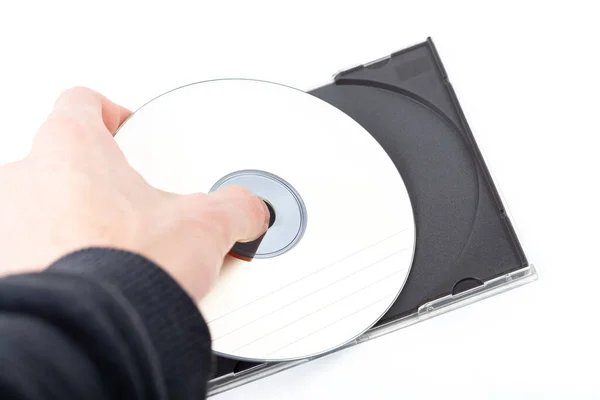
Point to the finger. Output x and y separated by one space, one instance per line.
80 114
243 215
89 107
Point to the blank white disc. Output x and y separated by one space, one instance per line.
350 260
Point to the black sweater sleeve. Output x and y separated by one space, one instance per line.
101 324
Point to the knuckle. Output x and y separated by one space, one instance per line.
73 116
81 100
75 92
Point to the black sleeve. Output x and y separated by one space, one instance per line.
101 324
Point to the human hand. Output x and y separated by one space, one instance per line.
76 189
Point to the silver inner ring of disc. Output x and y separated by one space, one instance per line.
290 211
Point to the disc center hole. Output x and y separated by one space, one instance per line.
271 213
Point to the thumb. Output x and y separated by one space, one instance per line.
242 215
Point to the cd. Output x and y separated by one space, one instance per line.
342 234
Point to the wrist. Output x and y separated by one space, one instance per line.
171 318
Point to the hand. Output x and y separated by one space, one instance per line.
75 189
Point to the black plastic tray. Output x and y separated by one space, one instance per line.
464 237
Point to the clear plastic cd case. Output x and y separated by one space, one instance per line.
466 246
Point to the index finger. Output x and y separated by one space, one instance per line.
87 106
80 118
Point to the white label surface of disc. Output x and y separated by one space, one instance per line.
355 253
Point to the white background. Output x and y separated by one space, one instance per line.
527 77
